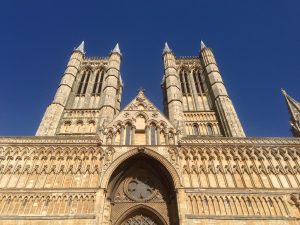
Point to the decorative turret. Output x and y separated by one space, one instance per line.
80 47
294 110
166 48
111 90
116 49
202 45
171 87
220 99
54 111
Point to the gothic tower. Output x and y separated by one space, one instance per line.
195 98
88 96
294 110
97 165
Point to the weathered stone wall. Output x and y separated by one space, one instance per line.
217 180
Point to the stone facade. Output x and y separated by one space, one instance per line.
93 164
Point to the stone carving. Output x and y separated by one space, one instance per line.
139 220
140 188
296 200
238 205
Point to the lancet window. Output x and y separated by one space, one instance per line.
84 83
185 85
198 82
153 134
196 129
128 134
209 129
98 83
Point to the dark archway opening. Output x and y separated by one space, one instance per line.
141 191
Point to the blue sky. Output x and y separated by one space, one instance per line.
256 44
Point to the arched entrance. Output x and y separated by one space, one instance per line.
141 191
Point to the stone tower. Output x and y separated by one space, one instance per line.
195 98
93 164
88 96
294 110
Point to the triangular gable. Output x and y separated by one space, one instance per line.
141 105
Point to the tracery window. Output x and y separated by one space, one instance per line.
185 85
139 220
84 83
198 82
128 134
98 83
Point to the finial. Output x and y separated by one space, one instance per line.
141 90
167 48
117 49
283 91
203 46
80 47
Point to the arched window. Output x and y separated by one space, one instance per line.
79 126
185 86
198 82
81 83
91 126
84 83
196 129
128 134
153 134
209 129
66 127
98 83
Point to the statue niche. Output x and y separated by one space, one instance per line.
141 191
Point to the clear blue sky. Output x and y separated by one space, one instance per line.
256 43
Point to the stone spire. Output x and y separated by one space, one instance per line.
166 48
117 49
202 45
80 47
294 110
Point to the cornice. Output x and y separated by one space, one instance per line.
242 141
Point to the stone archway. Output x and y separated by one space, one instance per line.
141 191
141 215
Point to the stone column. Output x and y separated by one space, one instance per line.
122 135
133 135
147 135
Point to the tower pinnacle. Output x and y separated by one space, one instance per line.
117 49
166 48
202 45
294 111
80 47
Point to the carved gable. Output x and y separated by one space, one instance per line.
139 123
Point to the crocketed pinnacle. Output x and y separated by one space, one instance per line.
80 47
117 49
166 48
202 45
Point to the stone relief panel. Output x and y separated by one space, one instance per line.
52 166
46 204
238 205
224 166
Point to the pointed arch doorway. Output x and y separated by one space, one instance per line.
141 192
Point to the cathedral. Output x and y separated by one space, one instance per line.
92 162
